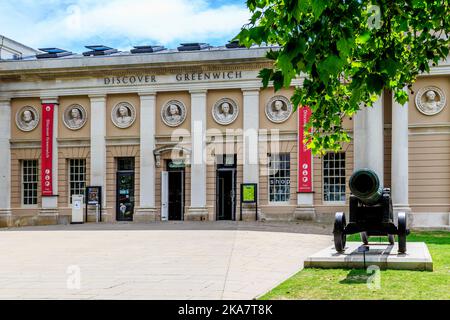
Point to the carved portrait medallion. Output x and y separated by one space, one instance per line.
173 113
27 118
123 115
75 117
225 111
278 109
430 100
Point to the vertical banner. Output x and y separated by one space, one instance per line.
304 169
47 150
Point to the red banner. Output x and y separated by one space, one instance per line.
304 169
47 150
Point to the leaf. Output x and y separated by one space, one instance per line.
401 97
344 46
332 65
256 16
375 83
304 5
363 38
389 66
272 54
257 34
265 75
318 6
356 96
284 62
278 80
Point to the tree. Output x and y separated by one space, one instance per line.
349 51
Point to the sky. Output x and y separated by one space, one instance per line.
121 24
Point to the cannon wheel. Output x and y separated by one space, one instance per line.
364 238
402 232
339 235
391 239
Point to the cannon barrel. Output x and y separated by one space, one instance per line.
365 185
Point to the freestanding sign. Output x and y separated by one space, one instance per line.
94 198
304 169
47 150
93 195
249 194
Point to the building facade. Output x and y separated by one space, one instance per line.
172 135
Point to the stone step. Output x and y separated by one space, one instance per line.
279 216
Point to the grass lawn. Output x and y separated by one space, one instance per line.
395 284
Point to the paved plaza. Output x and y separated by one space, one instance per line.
217 260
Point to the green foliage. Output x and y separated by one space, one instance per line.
349 52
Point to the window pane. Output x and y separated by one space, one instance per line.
334 180
279 177
77 177
29 182
125 164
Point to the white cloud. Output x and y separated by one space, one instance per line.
122 22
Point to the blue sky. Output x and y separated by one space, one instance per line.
72 24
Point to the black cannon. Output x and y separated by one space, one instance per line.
371 213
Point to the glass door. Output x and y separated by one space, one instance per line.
176 173
226 194
125 190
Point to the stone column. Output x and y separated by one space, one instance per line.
368 136
49 211
98 146
399 162
146 211
5 160
198 210
250 137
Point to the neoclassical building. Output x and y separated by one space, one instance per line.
172 135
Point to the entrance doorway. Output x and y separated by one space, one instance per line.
173 191
226 188
125 189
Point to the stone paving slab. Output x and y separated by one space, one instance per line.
417 257
154 261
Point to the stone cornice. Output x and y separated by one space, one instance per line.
158 63
25 144
49 99
121 141
66 73
430 125
250 91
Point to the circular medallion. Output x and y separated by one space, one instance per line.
27 118
278 109
430 100
173 113
123 115
75 117
225 111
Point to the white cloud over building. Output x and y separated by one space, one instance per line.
120 23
